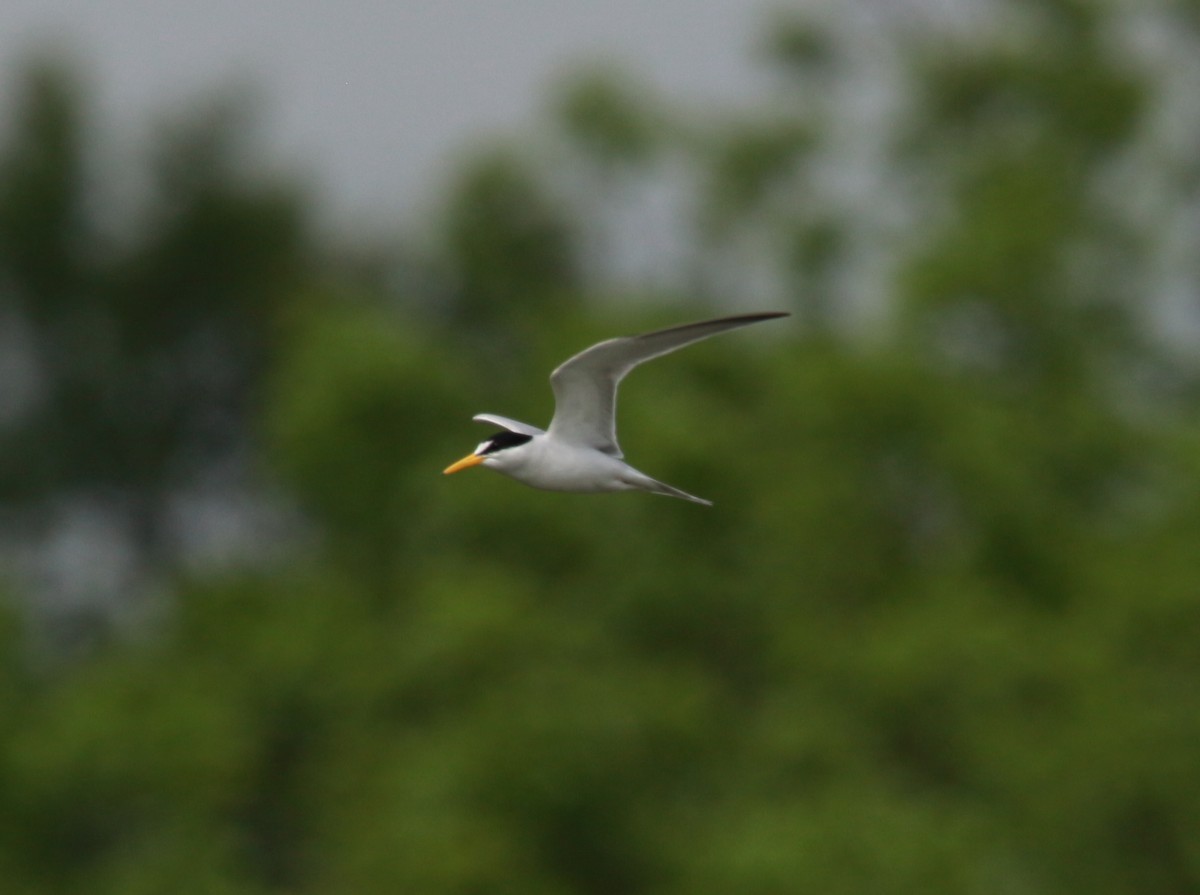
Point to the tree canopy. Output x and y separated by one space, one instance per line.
939 633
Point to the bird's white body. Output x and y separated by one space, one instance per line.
579 452
554 466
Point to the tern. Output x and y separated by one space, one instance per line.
579 451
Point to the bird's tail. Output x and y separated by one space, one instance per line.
656 487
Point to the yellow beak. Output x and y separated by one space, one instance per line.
465 463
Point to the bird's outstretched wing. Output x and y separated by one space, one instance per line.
585 386
505 423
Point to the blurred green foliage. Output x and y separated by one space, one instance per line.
941 632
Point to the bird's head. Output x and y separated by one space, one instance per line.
496 452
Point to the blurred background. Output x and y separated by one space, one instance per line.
260 264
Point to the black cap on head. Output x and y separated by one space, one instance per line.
502 440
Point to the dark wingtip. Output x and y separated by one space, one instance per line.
758 317
762 315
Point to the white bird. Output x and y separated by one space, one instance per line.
579 452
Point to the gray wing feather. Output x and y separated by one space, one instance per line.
505 423
585 386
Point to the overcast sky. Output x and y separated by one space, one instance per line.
372 95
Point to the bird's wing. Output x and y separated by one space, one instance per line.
585 386
505 423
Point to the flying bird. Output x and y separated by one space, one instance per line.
579 451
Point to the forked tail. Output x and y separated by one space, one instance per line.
656 487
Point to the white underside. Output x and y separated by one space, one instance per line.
552 465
